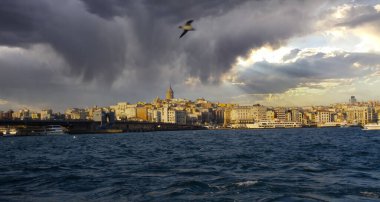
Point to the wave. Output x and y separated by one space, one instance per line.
247 183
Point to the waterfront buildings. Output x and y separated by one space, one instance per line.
46 114
204 112
104 116
361 115
76 114
6 115
241 114
323 116
170 115
280 114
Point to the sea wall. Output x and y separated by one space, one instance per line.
31 127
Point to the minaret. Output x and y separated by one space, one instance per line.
169 93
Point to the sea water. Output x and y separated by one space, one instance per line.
310 164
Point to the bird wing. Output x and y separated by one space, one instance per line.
189 22
183 33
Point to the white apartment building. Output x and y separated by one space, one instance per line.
156 115
361 115
248 114
124 110
323 116
169 115
259 113
270 115
242 114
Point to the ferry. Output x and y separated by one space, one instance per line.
54 130
372 126
327 124
268 124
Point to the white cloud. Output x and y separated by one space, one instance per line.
3 102
192 81
377 7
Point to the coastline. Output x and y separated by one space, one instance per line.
143 128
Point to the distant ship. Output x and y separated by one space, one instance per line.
55 130
9 132
372 126
269 124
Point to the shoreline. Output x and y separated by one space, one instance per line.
116 131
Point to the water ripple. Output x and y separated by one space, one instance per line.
232 165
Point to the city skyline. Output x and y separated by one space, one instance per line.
169 98
211 114
168 95
56 54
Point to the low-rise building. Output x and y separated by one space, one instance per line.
361 115
241 114
46 114
76 114
323 116
105 117
169 115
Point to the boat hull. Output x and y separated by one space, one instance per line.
371 126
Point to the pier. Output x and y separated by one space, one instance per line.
27 127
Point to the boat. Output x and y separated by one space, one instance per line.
55 130
269 124
372 126
10 132
327 124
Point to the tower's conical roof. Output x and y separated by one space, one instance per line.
170 92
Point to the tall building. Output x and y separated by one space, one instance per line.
352 100
219 115
170 93
142 113
296 115
259 113
270 115
280 114
227 116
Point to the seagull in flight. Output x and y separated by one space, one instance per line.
187 27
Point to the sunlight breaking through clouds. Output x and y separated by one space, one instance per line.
129 50
3 102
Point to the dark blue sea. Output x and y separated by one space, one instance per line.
335 164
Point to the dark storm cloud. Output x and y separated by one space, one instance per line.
225 30
171 9
363 19
360 15
90 45
26 80
265 77
154 27
100 39
31 82
18 22
135 43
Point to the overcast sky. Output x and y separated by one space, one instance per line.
79 53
